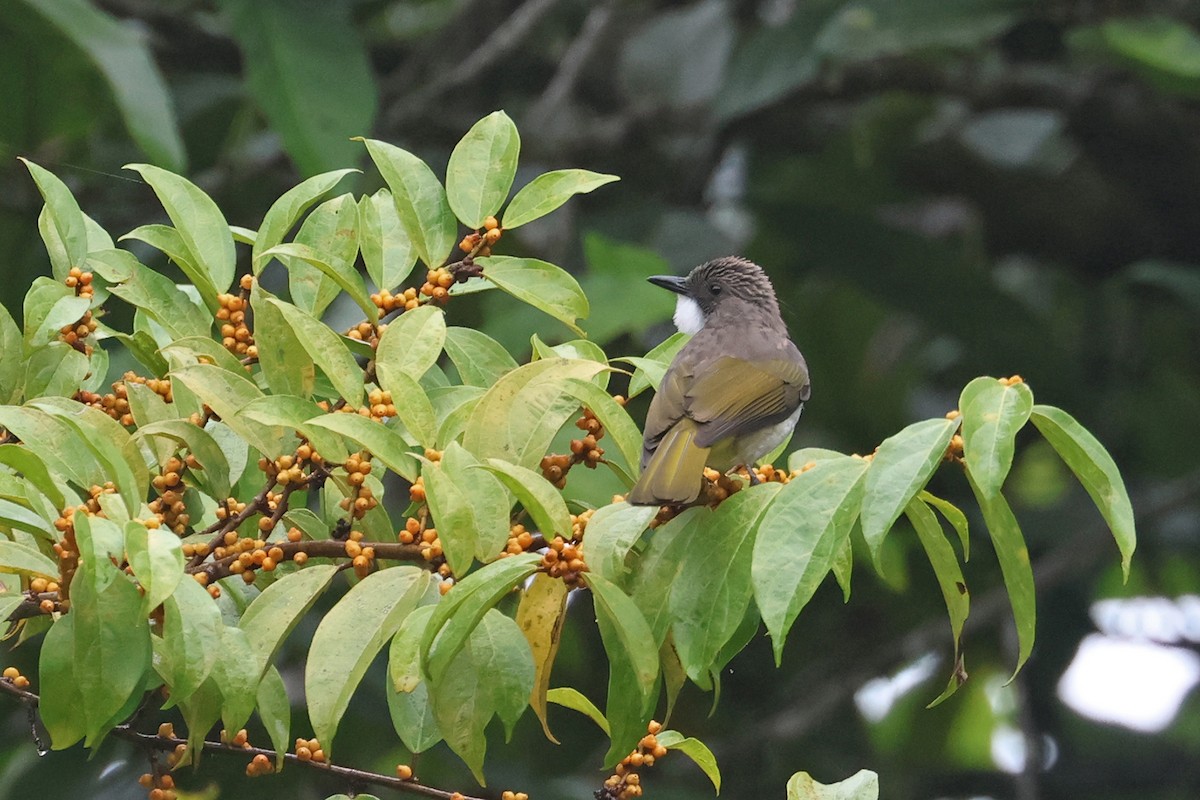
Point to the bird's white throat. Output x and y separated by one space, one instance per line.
688 316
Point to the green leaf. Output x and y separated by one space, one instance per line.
275 711
284 212
12 371
479 359
227 393
214 466
308 69
544 286
112 446
620 427
156 558
470 507
201 712
956 518
505 664
462 709
199 222
945 568
31 466
573 699
121 53
411 344
550 190
696 750
64 218
992 413
153 293
54 370
1165 51
191 636
481 169
1095 469
540 616
272 615
657 569
326 349
171 243
341 273
611 532
101 546
112 648
61 699
331 232
70 456
286 364
420 201
386 249
1013 556
651 368
234 671
384 443
19 517
460 611
292 413
48 308
537 495
18 559
713 590
863 785
902 466
633 665
407 694
800 537
412 407
517 418
350 636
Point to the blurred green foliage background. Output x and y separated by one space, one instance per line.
939 189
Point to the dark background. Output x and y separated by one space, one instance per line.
939 190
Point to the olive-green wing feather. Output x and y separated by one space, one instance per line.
673 473
735 396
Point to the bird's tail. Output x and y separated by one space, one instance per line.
675 471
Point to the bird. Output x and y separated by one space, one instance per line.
732 394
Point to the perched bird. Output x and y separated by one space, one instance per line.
732 394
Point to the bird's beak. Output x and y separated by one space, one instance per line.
671 282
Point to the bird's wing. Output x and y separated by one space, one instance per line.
735 396
667 407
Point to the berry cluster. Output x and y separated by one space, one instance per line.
381 405
358 467
14 676
46 605
388 302
310 750
255 554
169 505
366 332
561 556
235 334
75 333
625 782
161 786
514 796
480 243
259 765
116 403
361 556
584 451
437 285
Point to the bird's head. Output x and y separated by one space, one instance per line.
713 284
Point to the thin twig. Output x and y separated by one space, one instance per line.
573 60
504 38
170 743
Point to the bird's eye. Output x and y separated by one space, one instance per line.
715 288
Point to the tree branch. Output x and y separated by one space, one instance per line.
356 777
